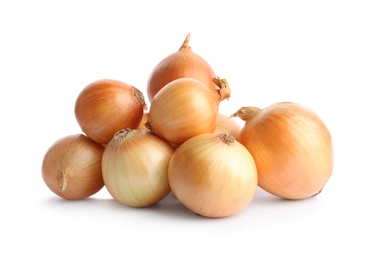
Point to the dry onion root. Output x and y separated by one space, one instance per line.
183 63
71 167
213 175
135 167
292 148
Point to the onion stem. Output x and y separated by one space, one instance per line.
185 45
246 113
223 90
227 139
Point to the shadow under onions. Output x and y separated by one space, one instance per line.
171 208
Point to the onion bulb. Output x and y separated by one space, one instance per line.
107 106
135 167
213 175
227 125
185 108
71 167
292 148
183 63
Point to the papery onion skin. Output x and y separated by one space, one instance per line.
228 125
181 64
292 148
185 108
135 167
106 106
213 175
71 167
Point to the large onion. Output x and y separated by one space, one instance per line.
183 63
107 106
185 108
71 167
135 167
213 175
292 148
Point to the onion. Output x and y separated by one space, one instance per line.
213 175
185 108
107 106
292 148
71 167
135 167
226 124
181 64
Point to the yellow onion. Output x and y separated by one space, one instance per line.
227 125
135 167
183 63
185 108
107 106
213 175
71 167
292 148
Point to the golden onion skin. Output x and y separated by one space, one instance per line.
292 148
183 63
213 176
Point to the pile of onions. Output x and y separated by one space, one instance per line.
107 106
183 63
185 108
184 145
71 167
135 167
292 148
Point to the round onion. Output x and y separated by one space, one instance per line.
71 167
181 64
213 175
185 108
135 167
107 106
292 148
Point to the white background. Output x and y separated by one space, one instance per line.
323 54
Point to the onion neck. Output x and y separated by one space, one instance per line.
140 97
246 113
123 134
223 90
149 126
185 45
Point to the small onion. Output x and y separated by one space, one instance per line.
227 125
135 167
185 108
107 106
213 175
183 63
71 167
292 148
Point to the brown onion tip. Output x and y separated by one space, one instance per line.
246 113
227 139
224 89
